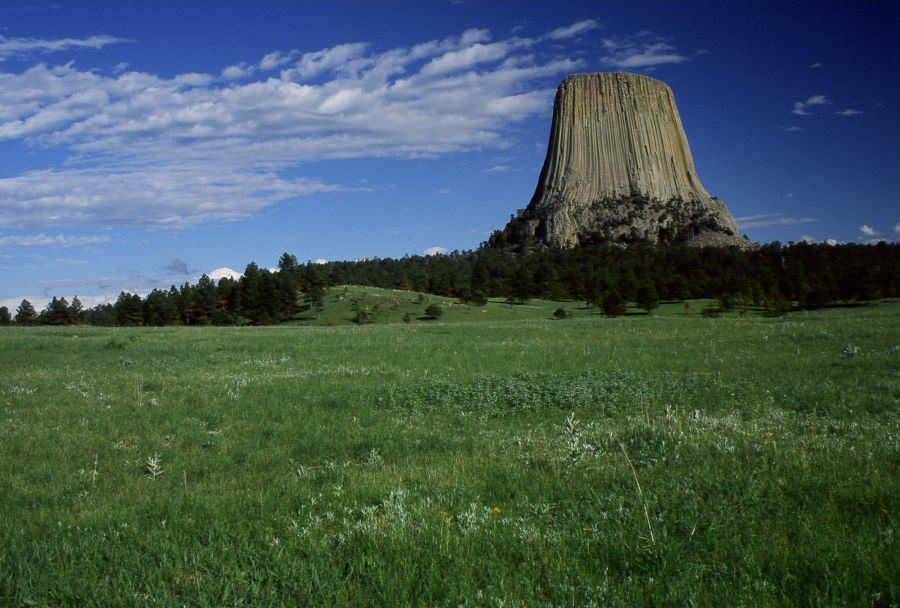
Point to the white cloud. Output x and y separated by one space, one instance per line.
808 239
275 59
801 107
320 261
832 242
238 71
165 197
848 112
193 79
10 47
576 28
897 227
315 63
867 230
435 251
816 66
224 273
60 240
641 50
173 151
771 219
468 57
498 169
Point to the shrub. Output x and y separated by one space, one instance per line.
478 298
363 317
561 313
434 311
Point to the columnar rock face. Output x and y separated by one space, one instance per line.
618 170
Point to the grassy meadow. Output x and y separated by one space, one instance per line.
495 457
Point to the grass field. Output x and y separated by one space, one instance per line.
493 458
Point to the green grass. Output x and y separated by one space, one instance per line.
486 459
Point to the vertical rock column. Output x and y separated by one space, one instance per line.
619 168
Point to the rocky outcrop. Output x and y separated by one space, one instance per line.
618 170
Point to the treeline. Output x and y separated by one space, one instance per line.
774 276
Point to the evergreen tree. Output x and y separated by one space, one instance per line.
205 298
129 309
25 313
76 311
5 318
314 289
56 313
647 297
613 304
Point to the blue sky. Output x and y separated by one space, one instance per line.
145 143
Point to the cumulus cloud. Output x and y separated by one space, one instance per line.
579 27
771 219
435 251
867 230
275 59
224 273
238 71
173 151
831 242
806 238
801 107
44 240
320 261
11 47
642 50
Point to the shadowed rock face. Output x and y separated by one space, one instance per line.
618 170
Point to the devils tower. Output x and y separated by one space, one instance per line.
619 171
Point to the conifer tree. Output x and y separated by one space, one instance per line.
25 313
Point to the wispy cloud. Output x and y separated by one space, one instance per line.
801 107
498 169
579 27
771 219
45 240
815 66
848 112
641 50
17 47
173 151
790 129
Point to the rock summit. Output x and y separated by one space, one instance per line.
618 170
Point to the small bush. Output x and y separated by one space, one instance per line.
561 313
434 311
364 317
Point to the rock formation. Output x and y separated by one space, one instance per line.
618 170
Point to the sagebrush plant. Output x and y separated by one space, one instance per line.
664 460
153 466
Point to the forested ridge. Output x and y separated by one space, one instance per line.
774 276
